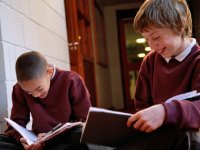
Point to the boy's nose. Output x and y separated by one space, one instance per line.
36 94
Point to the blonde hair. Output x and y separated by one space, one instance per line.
173 14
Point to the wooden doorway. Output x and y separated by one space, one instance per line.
80 42
129 53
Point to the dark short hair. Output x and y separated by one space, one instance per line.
30 65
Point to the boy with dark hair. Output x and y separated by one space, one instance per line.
171 68
51 96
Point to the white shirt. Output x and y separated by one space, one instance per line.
184 54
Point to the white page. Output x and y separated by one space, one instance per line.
66 125
183 96
27 134
95 109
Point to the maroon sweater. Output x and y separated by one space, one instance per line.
67 100
159 80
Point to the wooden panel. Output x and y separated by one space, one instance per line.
90 78
80 6
86 10
89 43
80 42
100 35
73 37
85 29
83 37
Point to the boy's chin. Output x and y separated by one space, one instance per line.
166 56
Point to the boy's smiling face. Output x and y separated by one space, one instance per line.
165 41
38 87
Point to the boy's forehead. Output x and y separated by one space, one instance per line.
149 31
31 85
153 30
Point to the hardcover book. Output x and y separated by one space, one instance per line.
106 127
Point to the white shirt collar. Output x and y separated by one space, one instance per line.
184 54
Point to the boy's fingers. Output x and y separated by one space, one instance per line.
144 127
37 146
138 124
24 142
132 119
34 146
148 130
40 136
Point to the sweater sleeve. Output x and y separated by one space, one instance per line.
19 112
79 99
185 114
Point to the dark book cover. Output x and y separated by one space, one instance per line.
108 128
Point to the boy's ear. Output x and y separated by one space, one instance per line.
50 70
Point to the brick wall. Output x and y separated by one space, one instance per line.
29 25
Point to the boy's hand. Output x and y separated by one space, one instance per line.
34 146
149 119
40 136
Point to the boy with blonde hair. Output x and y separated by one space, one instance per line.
171 68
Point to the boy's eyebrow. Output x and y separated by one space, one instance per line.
153 33
34 89
38 87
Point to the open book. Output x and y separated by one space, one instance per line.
31 137
106 127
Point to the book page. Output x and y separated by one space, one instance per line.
95 109
64 127
183 96
27 134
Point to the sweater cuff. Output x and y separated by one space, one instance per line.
171 114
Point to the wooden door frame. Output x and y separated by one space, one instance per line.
81 55
76 62
123 17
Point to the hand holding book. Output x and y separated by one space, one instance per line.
106 127
32 138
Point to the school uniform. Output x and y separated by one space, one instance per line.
161 78
68 100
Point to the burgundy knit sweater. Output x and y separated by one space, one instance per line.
67 100
159 80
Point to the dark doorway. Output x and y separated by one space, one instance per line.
130 52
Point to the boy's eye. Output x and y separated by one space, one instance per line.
156 38
40 89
